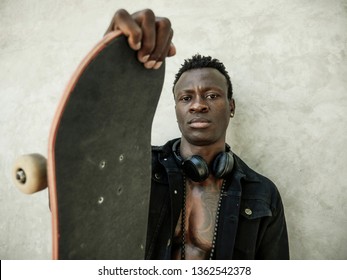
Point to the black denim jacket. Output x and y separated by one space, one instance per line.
251 225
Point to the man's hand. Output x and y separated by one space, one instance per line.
149 35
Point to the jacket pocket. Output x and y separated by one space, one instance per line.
255 208
252 212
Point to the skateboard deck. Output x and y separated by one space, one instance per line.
99 156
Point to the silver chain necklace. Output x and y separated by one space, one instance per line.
183 227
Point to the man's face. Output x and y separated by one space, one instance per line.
202 106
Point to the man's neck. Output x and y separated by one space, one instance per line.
207 152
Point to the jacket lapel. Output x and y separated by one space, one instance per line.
229 216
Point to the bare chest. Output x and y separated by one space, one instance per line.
199 222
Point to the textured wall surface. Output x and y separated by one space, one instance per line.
287 60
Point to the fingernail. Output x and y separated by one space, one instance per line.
144 58
138 46
150 64
157 65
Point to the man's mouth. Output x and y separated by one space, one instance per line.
199 123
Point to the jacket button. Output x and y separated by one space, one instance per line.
248 211
157 176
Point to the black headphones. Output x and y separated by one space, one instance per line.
196 168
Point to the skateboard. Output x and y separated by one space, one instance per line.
99 156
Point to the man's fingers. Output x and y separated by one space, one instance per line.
150 35
172 50
146 20
164 34
124 22
164 53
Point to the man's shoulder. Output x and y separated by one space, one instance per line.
162 159
255 183
249 172
157 149
163 149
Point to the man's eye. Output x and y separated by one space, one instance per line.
185 98
211 96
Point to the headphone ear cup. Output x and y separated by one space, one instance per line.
196 168
223 164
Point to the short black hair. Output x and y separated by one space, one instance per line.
199 61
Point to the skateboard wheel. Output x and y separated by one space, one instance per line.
30 173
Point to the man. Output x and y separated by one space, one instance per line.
206 203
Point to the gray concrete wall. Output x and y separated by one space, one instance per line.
287 60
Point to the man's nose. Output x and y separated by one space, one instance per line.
198 105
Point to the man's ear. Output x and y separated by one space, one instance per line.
232 107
